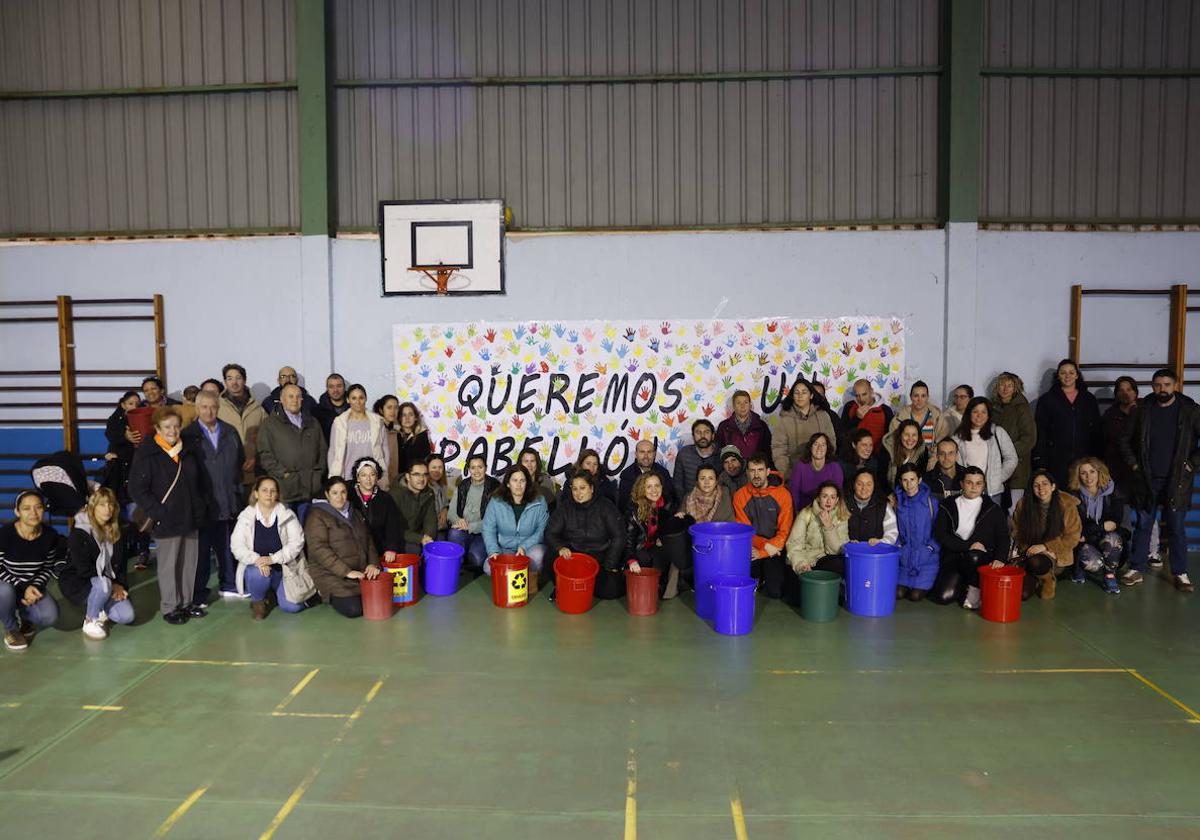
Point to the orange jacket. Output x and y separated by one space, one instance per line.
768 511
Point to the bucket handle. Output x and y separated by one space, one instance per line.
1004 583
702 549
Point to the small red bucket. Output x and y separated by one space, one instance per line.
641 591
406 587
575 582
1001 592
141 420
377 597
510 580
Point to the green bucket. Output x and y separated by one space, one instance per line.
819 595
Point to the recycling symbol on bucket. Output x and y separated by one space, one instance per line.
520 580
401 583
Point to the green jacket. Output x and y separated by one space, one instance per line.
418 510
1016 418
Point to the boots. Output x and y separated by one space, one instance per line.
1049 585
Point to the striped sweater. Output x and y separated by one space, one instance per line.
24 562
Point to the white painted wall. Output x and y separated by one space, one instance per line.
266 302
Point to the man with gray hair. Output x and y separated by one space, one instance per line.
219 449
292 450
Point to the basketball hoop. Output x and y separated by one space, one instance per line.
439 274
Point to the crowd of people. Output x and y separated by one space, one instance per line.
296 499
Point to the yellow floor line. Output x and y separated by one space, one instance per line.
102 708
739 818
295 692
631 796
228 663
1195 718
178 813
311 777
10 705
780 672
310 715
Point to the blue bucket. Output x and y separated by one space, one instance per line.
718 548
734 604
442 563
871 572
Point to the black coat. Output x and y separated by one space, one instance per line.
1135 448
1066 431
941 485
605 487
222 474
1114 511
594 528
327 412
75 578
383 520
866 523
629 477
490 486
151 475
307 404
991 529
414 450
636 530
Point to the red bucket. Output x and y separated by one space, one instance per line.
141 420
1001 591
510 580
641 590
377 597
406 588
575 582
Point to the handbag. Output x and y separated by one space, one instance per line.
298 585
143 521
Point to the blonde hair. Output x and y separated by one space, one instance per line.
110 532
1007 376
841 513
644 507
1095 463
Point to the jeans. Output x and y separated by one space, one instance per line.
100 598
473 546
1172 524
43 613
1106 556
536 555
215 537
258 586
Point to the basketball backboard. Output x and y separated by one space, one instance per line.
445 246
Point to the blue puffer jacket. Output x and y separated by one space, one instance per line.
919 551
502 534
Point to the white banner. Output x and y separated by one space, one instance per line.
565 386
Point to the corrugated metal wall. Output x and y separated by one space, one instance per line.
1091 147
695 148
181 161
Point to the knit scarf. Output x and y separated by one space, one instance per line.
173 451
1095 504
702 506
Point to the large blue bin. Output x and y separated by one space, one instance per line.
718 548
871 572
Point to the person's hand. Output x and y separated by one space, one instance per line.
826 518
110 456
264 566
119 592
891 499
977 546
1109 525
1050 554
443 516
389 557
771 549
520 551
565 553
355 576
248 464
1037 549
996 564
132 436
801 568
635 567
873 541
756 554
372 572
32 596
426 539
680 514
461 525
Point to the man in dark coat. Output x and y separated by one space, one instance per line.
643 462
288 376
292 451
333 402
1160 447
219 449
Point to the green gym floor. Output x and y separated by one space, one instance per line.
459 720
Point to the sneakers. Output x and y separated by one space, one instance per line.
1110 585
234 595
1077 573
971 602
15 640
1183 583
1131 577
94 629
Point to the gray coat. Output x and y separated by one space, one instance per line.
1001 459
222 469
293 457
